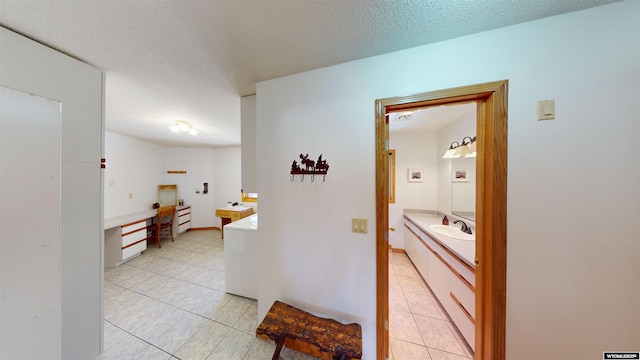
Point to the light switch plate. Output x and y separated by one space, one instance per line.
359 225
546 110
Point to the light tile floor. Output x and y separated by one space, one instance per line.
170 303
418 326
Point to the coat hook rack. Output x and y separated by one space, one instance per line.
319 167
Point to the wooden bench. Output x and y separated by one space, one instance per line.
304 332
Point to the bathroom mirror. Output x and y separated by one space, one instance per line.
168 195
463 188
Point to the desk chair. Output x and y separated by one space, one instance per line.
164 223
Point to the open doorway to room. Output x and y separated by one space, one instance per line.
490 209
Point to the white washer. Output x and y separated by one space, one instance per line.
241 257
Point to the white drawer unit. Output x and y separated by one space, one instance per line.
134 239
125 237
183 219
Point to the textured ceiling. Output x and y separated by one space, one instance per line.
191 60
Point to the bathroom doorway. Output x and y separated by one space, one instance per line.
491 99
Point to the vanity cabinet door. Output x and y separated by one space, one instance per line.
414 248
438 278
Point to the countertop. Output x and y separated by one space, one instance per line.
249 223
465 249
134 217
234 208
128 218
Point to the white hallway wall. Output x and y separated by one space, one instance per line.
138 167
564 185
132 166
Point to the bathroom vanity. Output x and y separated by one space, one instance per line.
447 264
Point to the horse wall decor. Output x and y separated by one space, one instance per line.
309 167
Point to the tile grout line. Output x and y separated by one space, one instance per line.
440 310
239 313
141 339
188 311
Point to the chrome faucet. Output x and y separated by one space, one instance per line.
465 228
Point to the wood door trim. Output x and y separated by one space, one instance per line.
491 211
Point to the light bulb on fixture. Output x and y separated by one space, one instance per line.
183 126
472 148
450 153
463 149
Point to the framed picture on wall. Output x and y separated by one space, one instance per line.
460 175
415 175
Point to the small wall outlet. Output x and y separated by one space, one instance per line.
130 195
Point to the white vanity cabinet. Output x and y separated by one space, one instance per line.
183 219
449 275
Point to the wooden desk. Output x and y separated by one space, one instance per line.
231 214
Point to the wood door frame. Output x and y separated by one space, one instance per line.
491 210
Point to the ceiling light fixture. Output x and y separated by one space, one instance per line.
405 115
183 126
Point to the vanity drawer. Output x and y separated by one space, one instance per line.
463 294
184 218
184 226
134 249
184 212
126 229
461 319
133 237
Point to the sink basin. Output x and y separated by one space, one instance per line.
452 231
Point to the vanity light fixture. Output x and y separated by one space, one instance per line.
183 126
466 149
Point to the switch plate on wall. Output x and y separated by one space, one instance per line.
359 225
546 110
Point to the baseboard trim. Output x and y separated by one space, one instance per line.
204 228
396 250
